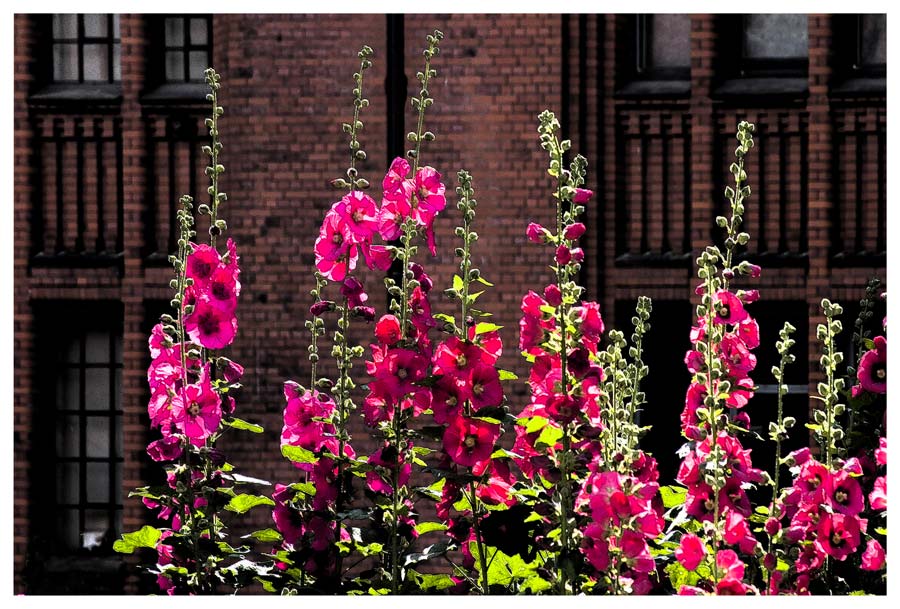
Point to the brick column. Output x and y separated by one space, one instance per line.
819 185
22 316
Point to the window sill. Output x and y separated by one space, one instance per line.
861 87
766 89
90 93
656 89
177 93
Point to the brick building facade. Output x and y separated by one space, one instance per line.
108 128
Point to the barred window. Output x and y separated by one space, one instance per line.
663 46
187 47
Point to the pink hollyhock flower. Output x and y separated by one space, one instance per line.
736 356
485 387
446 401
390 217
160 408
197 409
843 493
378 257
421 276
400 370
324 477
158 341
873 556
201 263
456 359
490 343
563 255
552 295
734 497
470 442
729 308
741 392
872 373
360 214
165 449
209 326
497 489
387 330
377 407
334 248
811 476
577 254
352 290
878 496
595 547
531 306
582 195
736 528
537 233
881 452
589 320
420 311
574 231
222 290
695 361
232 371
320 307
838 535
729 565
748 331
732 587
686 590
636 553
395 185
690 551
428 196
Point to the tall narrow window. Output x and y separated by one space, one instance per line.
80 405
187 47
86 48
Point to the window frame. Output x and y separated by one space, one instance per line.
53 317
850 74
782 67
642 32
111 42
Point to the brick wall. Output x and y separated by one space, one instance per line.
286 83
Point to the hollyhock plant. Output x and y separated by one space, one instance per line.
193 408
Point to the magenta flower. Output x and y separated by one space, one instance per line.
197 409
872 373
838 535
690 551
537 233
873 556
470 442
359 213
334 248
563 255
485 387
165 449
201 263
552 295
395 185
428 196
582 195
377 257
843 493
387 330
390 217
209 326
589 320
736 356
352 290
878 496
222 290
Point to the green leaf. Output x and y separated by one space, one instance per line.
503 569
265 535
533 424
242 503
550 435
502 452
458 283
672 496
298 454
428 527
534 584
484 281
506 375
241 424
432 551
146 537
445 317
432 582
484 327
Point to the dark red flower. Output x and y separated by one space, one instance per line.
470 442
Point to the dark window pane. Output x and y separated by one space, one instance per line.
65 26
117 63
97 437
776 36
174 65
67 483
198 64
198 31
97 348
671 44
65 62
96 525
96 389
116 27
67 437
67 529
95 62
97 482
68 394
873 45
95 26
174 32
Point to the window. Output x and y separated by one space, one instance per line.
774 45
861 49
86 48
80 348
663 46
187 47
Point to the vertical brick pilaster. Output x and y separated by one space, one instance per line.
703 56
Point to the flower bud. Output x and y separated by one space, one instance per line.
582 195
367 313
772 527
536 233
770 562
578 255
387 330
553 295
563 255
323 306
574 231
